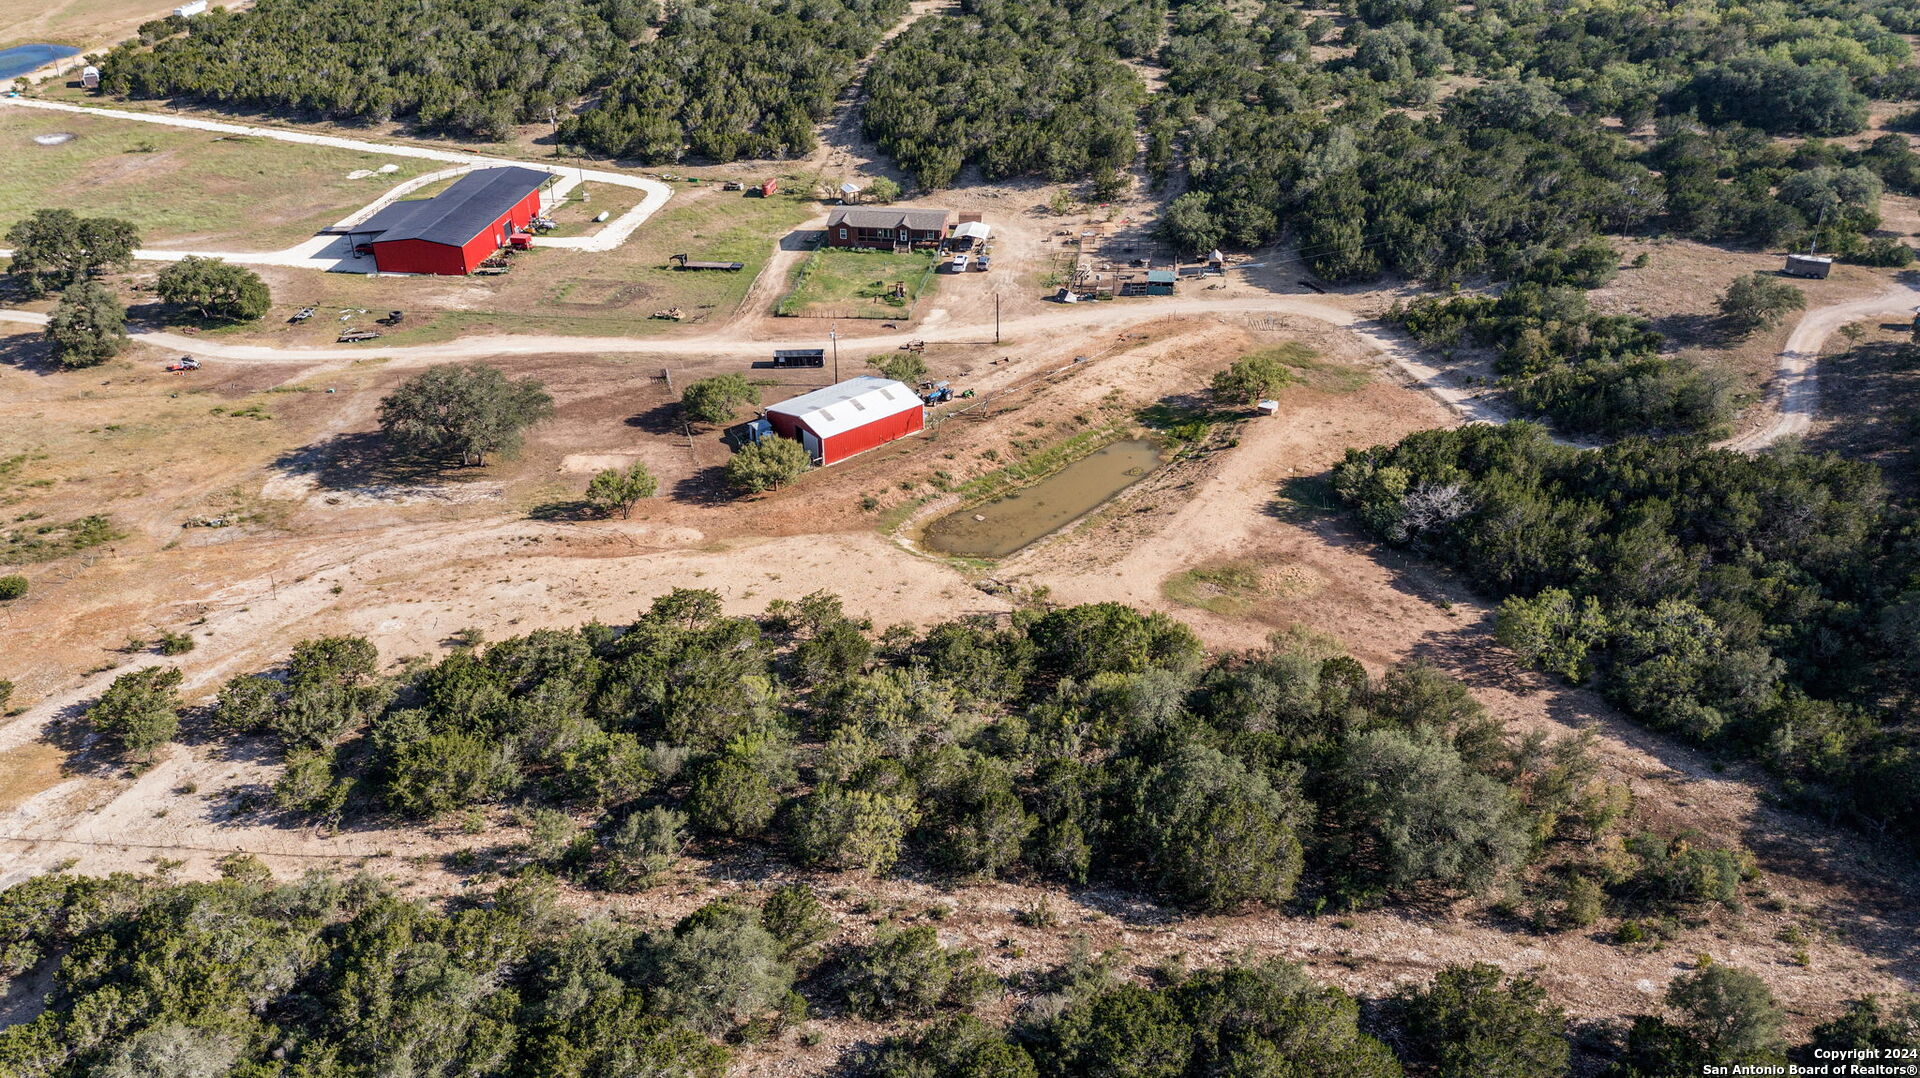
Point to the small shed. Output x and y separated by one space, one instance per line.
800 357
1808 266
768 188
852 417
849 193
1160 282
90 77
191 8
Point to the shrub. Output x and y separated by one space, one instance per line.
907 971
172 643
12 587
614 491
247 704
1758 301
1471 1021
839 828
767 464
958 1046
1585 902
140 711
1252 378
643 845
717 400
719 968
796 917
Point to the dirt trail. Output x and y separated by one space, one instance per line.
1794 397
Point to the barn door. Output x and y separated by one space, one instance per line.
812 443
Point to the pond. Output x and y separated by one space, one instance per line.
24 58
1010 522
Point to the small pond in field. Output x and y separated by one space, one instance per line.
1011 521
24 58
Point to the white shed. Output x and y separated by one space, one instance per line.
970 234
191 8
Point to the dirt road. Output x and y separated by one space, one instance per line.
1795 395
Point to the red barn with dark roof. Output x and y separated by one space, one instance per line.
456 230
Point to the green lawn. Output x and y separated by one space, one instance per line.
185 187
834 281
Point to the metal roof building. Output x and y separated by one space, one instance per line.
457 229
848 418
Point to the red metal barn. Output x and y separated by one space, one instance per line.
852 417
456 230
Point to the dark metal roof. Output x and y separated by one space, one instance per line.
918 220
461 212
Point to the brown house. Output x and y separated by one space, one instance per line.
886 228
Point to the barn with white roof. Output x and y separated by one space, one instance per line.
851 417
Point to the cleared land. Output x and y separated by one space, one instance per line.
185 187
80 23
857 284
552 291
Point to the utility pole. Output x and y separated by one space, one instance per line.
996 318
833 332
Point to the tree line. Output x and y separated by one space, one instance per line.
1763 604
1073 745
470 67
1017 89
727 79
330 977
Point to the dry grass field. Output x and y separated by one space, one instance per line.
83 24
185 188
560 292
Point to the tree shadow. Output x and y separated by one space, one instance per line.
30 352
708 486
1873 389
564 510
660 419
1693 328
1304 500
361 459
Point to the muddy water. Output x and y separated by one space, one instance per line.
1006 524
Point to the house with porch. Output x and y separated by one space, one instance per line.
887 228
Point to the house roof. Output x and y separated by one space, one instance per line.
849 404
975 230
1160 277
461 212
919 220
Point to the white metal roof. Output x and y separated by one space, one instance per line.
849 404
976 230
